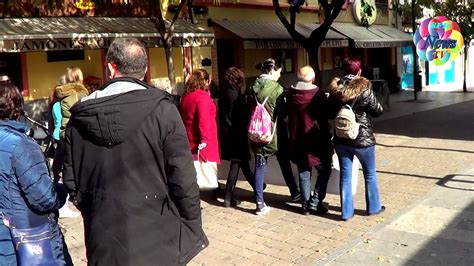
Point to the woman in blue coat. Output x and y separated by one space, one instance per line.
27 195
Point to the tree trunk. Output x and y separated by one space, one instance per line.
170 65
313 57
464 85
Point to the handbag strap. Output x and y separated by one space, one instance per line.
199 155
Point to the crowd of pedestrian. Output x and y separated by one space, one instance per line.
125 154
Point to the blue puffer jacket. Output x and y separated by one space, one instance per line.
27 194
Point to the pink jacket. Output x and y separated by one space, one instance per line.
198 112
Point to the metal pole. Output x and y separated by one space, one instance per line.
415 57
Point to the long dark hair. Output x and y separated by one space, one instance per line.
11 101
198 81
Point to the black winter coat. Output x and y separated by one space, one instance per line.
234 117
360 91
129 165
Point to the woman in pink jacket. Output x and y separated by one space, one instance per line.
198 112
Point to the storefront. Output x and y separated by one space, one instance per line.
35 52
377 46
246 43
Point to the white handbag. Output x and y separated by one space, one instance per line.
333 184
206 173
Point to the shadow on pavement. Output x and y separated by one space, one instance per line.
453 179
275 201
440 123
442 181
453 245
421 148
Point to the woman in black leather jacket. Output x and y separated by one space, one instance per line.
356 90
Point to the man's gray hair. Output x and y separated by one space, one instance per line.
129 56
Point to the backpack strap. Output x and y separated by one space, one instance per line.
264 101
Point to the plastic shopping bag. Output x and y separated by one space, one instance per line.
206 175
333 184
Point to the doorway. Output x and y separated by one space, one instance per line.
10 65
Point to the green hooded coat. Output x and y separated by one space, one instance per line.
261 89
69 94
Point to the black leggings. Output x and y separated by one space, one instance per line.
235 166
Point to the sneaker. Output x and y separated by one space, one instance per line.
296 198
320 209
262 209
305 208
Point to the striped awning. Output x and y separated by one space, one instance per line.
273 35
64 33
375 36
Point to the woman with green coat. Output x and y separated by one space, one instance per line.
265 85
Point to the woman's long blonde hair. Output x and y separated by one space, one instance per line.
74 75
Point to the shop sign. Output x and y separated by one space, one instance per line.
364 12
53 45
92 43
438 40
289 44
270 44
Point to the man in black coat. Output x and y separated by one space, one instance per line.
130 171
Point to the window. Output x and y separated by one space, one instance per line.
287 59
68 55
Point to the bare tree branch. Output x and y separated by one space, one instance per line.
176 15
157 18
336 7
326 7
298 37
295 9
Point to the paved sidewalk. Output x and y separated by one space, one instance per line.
438 229
415 154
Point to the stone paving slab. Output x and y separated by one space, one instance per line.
438 229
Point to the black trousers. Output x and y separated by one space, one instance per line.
283 157
232 177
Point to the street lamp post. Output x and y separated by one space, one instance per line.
416 77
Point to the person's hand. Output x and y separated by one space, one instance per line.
202 146
61 192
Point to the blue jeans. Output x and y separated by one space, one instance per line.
260 170
324 172
366 157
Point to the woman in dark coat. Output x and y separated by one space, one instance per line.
234 116
357 91
28 196
310 141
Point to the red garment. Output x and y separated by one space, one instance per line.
198 112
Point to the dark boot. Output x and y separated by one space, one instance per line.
231 182
305 208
